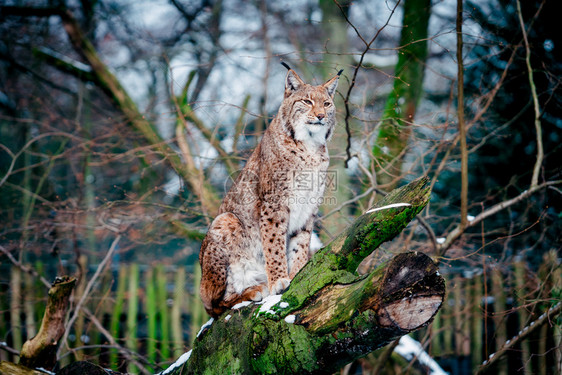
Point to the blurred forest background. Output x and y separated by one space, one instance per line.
122 124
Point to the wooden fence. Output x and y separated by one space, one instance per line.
155 312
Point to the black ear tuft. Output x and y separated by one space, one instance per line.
293 82
340 72
285 65
332 84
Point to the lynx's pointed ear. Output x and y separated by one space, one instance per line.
332 84
293 82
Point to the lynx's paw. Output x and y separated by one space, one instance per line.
260 293
279 286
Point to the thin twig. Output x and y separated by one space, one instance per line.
544 318
89 287
458 231
126 352
355 199
24 268
460 117
384 357
356 70
4 346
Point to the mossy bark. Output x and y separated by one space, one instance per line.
402 102
330 315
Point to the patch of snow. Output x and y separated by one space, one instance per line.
268 303
381 60
41 369
238 306
206 325
172 186
290 319
315 243
388 206
470 217
227 318
410 348
488 299
181 360
283 305
67 60
441 240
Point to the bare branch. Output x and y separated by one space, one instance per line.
125 352
460 116
538 128
544 318
89 287
356 70
24 268
459 230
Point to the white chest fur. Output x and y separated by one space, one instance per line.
307 194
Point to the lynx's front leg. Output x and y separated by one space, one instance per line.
298 247
273 227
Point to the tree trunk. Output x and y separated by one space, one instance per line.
403 100
330 315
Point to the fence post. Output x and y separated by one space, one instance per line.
499 317
162 306
116 314
477 318
179 296
520 296
132 314
151 311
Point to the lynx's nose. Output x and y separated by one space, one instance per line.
320 116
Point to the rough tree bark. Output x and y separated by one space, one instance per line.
330 315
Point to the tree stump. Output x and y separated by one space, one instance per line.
40 351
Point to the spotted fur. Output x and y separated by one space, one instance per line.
261 237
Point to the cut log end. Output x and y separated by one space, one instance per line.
409 314
413 291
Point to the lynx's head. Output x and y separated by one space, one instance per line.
308 112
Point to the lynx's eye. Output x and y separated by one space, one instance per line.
307 102
327 104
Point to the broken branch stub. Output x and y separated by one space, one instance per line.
40 351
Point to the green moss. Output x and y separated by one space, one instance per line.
283 348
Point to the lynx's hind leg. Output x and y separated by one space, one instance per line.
226 276
214 264
224 235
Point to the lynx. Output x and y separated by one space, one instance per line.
261 237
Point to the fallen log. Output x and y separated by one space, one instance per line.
330 315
